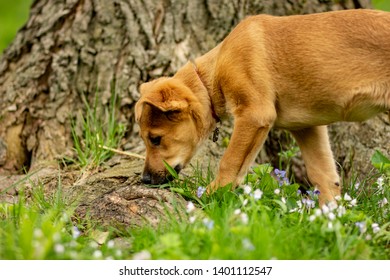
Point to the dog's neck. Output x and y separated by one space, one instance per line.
206 85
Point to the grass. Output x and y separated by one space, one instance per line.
99 129
269 219
266 218
381 4
13 14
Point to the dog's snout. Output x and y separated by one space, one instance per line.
178 168
155 178
146 178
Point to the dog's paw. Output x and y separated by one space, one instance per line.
212 187
329 196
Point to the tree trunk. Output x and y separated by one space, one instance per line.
72 48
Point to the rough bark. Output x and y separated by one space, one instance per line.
72 48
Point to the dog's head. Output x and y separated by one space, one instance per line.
169 117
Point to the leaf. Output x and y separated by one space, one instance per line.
380 161
171 170
282 205
100 236
178 190
263 169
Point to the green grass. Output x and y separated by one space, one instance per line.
266 218
43 229
96 131
381 4
13 14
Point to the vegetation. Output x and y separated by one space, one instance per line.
266 218
99 132
13 14
381 4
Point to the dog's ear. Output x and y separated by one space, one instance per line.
166 99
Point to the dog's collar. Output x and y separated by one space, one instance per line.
213 112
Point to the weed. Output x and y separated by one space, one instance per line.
98 131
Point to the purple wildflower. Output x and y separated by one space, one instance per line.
200 191
281 177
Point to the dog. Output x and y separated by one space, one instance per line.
298 73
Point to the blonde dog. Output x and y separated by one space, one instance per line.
298 73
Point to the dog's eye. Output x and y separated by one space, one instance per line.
155 140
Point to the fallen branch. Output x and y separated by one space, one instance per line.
123 153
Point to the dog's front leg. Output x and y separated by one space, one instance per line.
320 165
248 137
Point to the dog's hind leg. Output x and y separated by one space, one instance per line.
320 165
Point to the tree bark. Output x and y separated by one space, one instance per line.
72 48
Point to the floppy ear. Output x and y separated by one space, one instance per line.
164 98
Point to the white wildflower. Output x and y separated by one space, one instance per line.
308 202
38 233
353 202
357 185
75 232
192 219
59 248
247 244
110 244
331 216
97 254
317 212
277 191
57 237
237 212
143 255
118 253
283 200
257 194
244 218
247 189
190 207
332 205
337 197
383 202
312 218
380 181
341 211
93 244
347 197
208 223
368 237
361 226
375 228
325 209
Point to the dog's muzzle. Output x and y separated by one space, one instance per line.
158 178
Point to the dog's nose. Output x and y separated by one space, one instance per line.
178 168
146 178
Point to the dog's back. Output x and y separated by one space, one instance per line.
324 67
